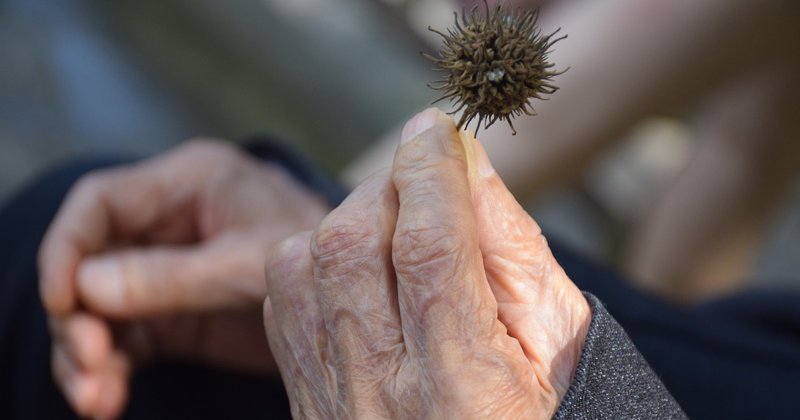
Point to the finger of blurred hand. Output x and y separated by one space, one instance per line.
138 282
80 389
357 293
442 289
85 337
536 300
114 395
91 373
296 328
118 204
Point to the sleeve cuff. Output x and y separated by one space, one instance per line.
612 379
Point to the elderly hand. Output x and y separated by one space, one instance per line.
164 257
428 293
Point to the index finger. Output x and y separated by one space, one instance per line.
443 293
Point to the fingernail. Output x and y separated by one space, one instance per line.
421 122
100 280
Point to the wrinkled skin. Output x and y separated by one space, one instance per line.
164 258
429 293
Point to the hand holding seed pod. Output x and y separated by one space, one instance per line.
495 64
407 304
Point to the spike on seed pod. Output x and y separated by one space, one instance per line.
495 64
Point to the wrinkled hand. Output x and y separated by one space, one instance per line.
164 258
428 293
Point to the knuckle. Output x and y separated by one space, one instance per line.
341 241
90 184
200 141
289 255
207 150
202 154
92 187
427 251
200 144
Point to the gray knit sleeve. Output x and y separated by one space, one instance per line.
613 381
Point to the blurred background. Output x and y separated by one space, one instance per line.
83 76
333 78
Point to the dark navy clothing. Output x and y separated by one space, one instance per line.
612 379
733 358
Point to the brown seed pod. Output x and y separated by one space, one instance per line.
495 63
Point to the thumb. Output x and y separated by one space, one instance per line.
148 281
531 288
504 225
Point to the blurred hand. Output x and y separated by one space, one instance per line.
164 258
429 292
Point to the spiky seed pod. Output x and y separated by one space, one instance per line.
495 63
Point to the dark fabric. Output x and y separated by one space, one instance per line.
733 358
612 380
